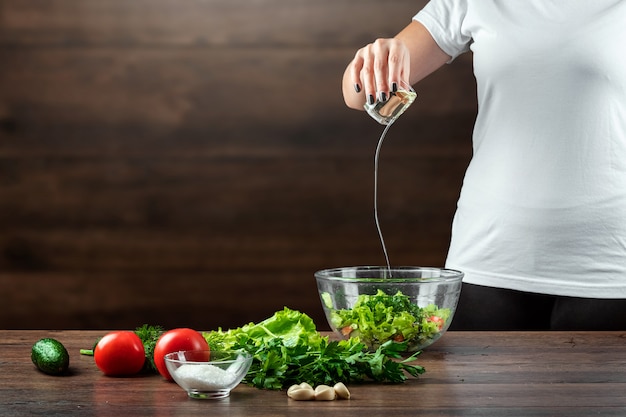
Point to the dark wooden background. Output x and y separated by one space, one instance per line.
191 162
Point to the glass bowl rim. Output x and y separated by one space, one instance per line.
246 357
331 274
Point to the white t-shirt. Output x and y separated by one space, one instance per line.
543 203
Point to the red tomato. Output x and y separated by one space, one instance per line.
120 353
438 320
176 340
346 330
398 338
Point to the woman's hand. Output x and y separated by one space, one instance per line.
378 68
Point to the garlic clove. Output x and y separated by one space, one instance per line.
292 388
298 393
325 393
305 386
342 391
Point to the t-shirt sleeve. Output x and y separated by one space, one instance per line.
444 20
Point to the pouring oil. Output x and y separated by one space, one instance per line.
380 233
386 113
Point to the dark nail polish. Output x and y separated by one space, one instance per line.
357 88
383 96
394 87
371 100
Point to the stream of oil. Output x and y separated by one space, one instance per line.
380 233
386 113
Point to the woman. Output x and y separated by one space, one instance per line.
540 226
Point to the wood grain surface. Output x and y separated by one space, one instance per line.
493 374
193 164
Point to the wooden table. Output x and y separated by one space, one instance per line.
467 374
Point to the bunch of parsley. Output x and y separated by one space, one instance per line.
287 349
149 336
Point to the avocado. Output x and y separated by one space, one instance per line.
50 356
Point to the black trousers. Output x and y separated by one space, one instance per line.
486 308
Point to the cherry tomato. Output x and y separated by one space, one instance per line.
176 340
120 353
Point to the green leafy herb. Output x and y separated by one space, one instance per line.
287 349
149 336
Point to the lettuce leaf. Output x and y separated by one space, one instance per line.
287 349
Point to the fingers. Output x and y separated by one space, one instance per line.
379 68
381 59
398 65
355 71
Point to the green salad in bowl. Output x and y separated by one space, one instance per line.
375 304
377 318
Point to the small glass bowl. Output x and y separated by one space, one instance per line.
387 112
208 374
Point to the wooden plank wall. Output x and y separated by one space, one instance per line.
191 162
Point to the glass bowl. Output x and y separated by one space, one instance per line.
208 374
377 304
